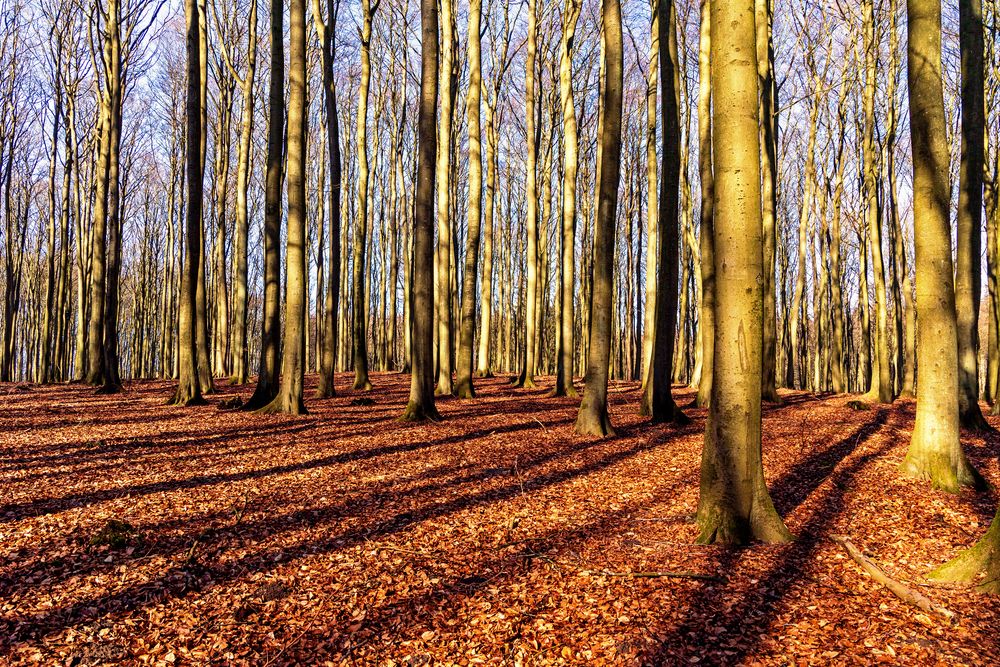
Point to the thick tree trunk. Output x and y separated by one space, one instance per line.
935 452
735 506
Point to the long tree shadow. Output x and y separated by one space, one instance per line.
793 487
15 511
746 621
179 579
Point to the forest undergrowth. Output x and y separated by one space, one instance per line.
136 533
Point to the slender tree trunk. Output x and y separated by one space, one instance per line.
188 387
98 263
706 328
533 134
361 381
444 192
270 346
204 362
657 401
593 418
769 189
571 165
464 387
838 374
880 388
484 367
328 356
968 270
421 402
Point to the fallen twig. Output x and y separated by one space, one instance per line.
897 588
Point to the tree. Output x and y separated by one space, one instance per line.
593 418
769 188
735 506
464 387
571 166
880 388
421 402
361 381
532 130
289 397
188 387
706 326
240 372
657 401
270 346
444 194
968 269
980 563
328 356
935 452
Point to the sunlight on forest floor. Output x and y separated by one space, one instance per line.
493 537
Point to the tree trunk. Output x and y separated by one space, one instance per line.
188 387
328 356
289 397
735 506
421 402
444 191
533 134
935 452
880 388
361 381
657 401
706 326
968 270
571 166
270 345
593 418
769 189
464 387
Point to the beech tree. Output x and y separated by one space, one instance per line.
188 387
735 506
270 345
593 418
935 452
421 402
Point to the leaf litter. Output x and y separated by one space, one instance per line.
135 533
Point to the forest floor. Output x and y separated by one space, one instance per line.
494 537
